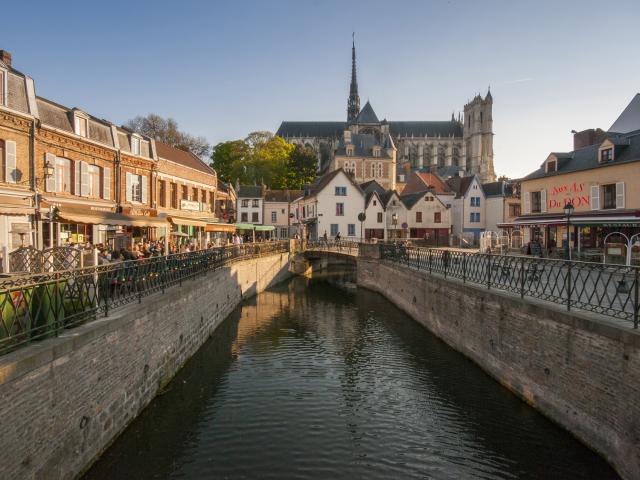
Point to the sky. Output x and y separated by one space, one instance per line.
224 69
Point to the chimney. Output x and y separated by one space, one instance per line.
588 137
5 57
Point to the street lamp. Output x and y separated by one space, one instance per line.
568 210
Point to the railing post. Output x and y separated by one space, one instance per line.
636 307
488 271
445 256
522 277
430 267
107 292
568 285
464 267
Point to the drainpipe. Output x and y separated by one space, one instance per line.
38 241
118 176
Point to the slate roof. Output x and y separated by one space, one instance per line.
250 191
449 171
182 157
371 187
587 158
367 115
321 182
629 119
404 129
364 143
460 185
497 189
284 196
411 199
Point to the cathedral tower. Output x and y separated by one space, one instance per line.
353 104
478 137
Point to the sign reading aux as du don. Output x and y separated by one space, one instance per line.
575 193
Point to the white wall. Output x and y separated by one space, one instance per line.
494 210
326 204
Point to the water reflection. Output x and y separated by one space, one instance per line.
315 379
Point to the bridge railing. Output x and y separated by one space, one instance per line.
42 305
610 290
347 247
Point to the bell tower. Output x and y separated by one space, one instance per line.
478 137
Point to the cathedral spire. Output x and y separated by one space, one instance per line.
353 104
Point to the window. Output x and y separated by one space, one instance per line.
475 201
376 151
282 211
194 194
536 202
185 192
437 217
8 159
162 193
255 203
274 217
379 170
609 196
81 126
94 181
245 203
341 191
474 217
254 217
514 210
339 209
606 155
203 199
304 212
375 202
135 145
373 169
379 217
63 175
3 96
350 150
418 217
551 166
244 217
334 229
135 187
174 195
351 229
428 199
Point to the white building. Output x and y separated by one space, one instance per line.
468 209
330 205
250 202
279 208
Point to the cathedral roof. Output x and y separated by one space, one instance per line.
367 115
403 129
363 143
311 129
426 128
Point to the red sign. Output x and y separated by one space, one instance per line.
573 193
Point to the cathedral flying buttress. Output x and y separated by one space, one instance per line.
459 146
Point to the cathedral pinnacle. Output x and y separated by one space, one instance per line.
353 104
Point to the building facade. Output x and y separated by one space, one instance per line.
462 143
279 212
468 210
250 203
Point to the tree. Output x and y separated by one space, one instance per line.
302 167
228 159
166 130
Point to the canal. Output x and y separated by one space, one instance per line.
315 379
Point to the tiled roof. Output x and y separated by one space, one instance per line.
281 195
433 181
182 157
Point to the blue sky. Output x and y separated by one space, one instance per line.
225 69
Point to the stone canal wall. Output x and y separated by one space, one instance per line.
64 400
581 372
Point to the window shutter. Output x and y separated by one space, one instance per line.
543 200
527 203
143 179
11 172
595 197
50 182
620 195
77 177
84 179
128 187
106 183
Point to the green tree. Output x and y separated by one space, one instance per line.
302 167
228 159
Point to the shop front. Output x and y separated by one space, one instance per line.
219 234
187 230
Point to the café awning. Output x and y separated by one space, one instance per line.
220 227
265 228
245 226
191 222
111 218
11 210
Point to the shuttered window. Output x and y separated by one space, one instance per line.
106 183
620 195
10 161
62 175
595 197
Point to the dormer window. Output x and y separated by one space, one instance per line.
135 144
350 150
81 125
552 166
376 151
606 155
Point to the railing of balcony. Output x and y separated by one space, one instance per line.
610 290
42 305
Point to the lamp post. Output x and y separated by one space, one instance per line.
568 210
361 217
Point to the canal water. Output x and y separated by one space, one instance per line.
315 379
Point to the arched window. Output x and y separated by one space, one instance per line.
379 170
373 170
441 156
456 156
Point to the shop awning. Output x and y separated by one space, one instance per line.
9 210
220 227
265 228
191 222
245 226
112 218
578 220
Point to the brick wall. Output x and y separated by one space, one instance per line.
64 400
581 372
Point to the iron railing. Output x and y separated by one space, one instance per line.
606 289
38 306
347 247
